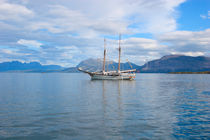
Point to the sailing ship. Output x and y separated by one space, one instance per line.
111 75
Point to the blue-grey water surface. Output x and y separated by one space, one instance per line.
35 106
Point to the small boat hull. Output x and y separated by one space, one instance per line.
112 77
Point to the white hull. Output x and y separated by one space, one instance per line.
111 77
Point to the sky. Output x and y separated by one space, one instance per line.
65 32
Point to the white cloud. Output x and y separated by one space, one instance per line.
203 16
189 53
73 29
60 19
14 12
69 51
188 42
32 44
7 51
11 53
207 16
148 44
92 18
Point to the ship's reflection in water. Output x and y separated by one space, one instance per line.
71 106
113 120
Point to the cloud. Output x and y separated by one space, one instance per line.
68 52
14 12
203 16
207 16
188 42
65 32
32 44
112 17
60 19
189 53
9 54
143 43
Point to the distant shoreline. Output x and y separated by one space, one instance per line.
202 72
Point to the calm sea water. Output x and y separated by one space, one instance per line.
71 106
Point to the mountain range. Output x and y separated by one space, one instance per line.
16 66
166 64
177 63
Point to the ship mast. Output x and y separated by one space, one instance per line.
104 62
119 54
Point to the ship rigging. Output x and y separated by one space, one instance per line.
111 75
